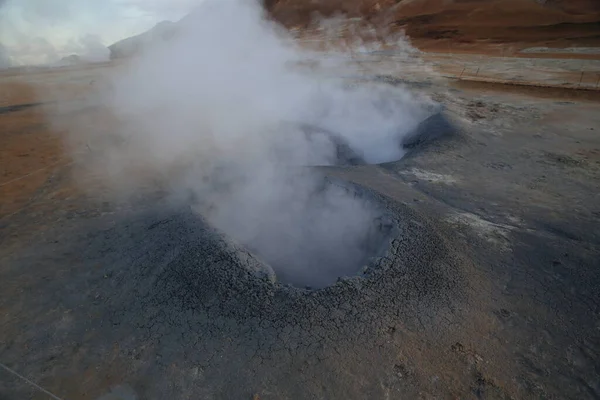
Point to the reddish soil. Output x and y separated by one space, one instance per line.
475 26
32 152
541 92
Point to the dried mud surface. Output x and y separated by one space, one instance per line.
489 291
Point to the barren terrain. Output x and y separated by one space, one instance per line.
489 291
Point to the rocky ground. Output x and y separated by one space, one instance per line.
489 288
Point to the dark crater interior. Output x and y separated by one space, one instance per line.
332 241
344 154
311 235
434 127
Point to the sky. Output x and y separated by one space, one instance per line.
36 32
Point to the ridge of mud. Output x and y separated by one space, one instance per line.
186 263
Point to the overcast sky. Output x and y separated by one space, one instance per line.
44 31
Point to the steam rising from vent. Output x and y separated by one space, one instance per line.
5 61
219 116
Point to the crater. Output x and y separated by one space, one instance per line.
332 232
321 253
344 154
434 127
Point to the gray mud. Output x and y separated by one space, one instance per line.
317 259
164 280
488 289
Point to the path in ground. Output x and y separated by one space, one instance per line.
491 291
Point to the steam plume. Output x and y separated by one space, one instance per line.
219 115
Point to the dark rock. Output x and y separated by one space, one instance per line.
433 128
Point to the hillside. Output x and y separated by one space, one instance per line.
127 47
470 25
446 12
574 6
558 23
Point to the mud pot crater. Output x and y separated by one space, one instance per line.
334 232
435 126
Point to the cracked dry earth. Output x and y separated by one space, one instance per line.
490 287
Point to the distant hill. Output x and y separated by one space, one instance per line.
73 59
128 47
506 13
433 23
574 6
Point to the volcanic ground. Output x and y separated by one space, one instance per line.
480 277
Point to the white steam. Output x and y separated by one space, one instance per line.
42 32
5 59
220 113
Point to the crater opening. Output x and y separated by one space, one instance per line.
316 235
339 230
433 127
321 265
343 153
